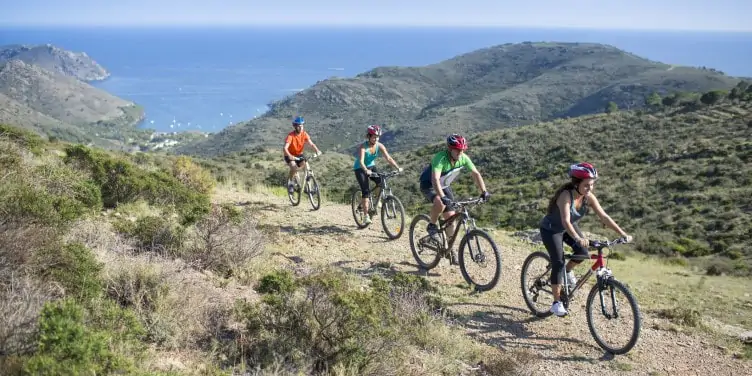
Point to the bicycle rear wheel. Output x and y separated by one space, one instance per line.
486 257
358 214
392 217
606 307
535 280
295 195
314 195
427 253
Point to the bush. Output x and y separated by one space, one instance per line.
121 182
330 321
74 267
192 175
70 345
26 139
224 240
154 234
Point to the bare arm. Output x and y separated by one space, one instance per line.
605 218
386 155
310 142
435 175
564 203
287 151
362 157
478 180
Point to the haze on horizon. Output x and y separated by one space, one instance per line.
696 15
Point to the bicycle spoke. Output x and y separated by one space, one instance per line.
480 260
614 319
536 284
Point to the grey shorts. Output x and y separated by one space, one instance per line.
429 193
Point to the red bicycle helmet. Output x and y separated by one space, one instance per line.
456 141
583 171
374 130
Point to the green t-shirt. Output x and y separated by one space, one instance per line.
442 162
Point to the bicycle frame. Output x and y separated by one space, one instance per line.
385 190
598 267
464 217
308 170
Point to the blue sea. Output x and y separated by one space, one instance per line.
208 78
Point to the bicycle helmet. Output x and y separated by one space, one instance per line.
374 130
456 141
298 121
583 171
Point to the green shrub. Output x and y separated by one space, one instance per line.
74 267
192 175
70 346
154 233
26 139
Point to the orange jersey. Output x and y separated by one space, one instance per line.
297 142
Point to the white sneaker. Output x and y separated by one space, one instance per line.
367 220
558 309
571 279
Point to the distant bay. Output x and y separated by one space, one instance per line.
205 79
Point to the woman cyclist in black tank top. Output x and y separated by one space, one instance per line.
569 204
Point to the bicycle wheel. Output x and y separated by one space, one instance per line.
392 217
358 215
295 195
535 280
473 253
314 195
427 253
607 308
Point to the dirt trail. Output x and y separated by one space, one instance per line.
498 317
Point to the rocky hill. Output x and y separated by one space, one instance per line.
496 87
43 89
49 57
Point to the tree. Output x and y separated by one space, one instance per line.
712 97
669 100
653 100
611 107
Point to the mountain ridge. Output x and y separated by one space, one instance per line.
495 87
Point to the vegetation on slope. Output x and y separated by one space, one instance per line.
491 88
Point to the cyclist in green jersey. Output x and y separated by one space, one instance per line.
438 176
365 165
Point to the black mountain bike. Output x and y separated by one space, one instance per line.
428 252
311 187
536 285
392 211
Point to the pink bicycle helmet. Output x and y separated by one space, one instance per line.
456 141
583 171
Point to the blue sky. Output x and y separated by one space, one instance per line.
729 15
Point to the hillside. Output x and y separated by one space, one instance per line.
501 86
74 64
685 169
139 264
42 89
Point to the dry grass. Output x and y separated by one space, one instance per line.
21 300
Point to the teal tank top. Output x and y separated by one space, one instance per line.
368 158
552 222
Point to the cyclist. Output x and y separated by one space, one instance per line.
294 144
365 165
569 204
435 180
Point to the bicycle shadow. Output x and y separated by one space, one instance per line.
260 205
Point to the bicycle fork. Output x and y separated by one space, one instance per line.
604 275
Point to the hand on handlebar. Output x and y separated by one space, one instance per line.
485 196
400 169
446 200
583 242
627 238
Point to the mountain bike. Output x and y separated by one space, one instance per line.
537 284
391 207
311 187
470 251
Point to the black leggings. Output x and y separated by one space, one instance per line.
360 174
554 242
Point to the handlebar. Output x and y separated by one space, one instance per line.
468 202
385 174
600 244
305 158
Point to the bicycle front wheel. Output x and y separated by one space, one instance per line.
480 260
392 217
295 195
314 194
535 280
426 251
613 316
358 214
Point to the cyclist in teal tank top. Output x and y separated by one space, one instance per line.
569 204
365 165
